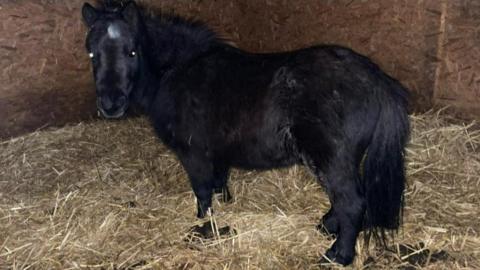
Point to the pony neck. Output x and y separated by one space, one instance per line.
169 42
173 41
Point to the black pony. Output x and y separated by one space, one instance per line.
218 107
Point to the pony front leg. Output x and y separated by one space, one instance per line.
329 224
220 182
201 174
204 193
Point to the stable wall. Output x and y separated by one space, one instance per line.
44 69
44 74
458 75
429 45
400 35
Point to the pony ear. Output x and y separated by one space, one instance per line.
131 14
89 13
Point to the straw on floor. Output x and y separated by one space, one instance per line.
109 195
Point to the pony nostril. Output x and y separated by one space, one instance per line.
106 103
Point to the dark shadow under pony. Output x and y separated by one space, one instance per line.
219 107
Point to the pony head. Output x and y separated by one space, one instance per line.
113 44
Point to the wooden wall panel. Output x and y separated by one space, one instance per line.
429 45
44 72
400 35
458 78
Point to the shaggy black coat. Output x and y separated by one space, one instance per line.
219 107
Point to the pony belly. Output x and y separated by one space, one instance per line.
265 153
252 161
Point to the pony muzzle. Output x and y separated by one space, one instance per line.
111 110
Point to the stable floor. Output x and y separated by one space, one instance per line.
109 195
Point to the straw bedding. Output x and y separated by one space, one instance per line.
108 195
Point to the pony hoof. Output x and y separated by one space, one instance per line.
226 196
334 257
207 231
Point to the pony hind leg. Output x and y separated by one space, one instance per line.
329 223
339 175
347 214
345 217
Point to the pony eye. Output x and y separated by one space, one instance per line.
91 55
132 54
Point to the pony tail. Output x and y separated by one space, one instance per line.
384 168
